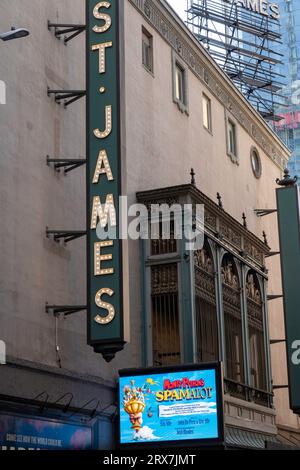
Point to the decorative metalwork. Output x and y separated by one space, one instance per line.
193 174
236 389
205 304
253 252
164 295
164 279
204 276
203 261
232 321
228 275
210 219
164 245
231 234
165 314
247 393
265 238
220 203
256 333
169 201
252 290
287 179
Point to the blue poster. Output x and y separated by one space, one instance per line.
42 434
172 406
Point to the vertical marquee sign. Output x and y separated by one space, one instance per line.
288 205
106 320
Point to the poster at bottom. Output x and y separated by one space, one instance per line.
174 405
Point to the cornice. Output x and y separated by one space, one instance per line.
218 222
162 18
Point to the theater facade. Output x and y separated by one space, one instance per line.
164 126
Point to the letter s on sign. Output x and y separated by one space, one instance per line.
296 354
102 16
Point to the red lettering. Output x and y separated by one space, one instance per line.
184 383
167 384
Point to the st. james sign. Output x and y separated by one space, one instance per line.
107 330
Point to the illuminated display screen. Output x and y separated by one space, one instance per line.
17 432
170 405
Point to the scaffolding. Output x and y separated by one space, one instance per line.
245 44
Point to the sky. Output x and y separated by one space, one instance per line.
179 6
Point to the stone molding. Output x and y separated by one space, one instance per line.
249 416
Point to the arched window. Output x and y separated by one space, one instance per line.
256 333
232 320
205 303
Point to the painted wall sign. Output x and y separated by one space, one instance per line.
288 204
171 405
107 331
263 7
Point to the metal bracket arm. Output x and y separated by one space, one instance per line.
69 30
64 310
68 96
274 297
264 212
68 164
65 235
272 253
277 341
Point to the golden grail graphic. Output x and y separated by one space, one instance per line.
134 407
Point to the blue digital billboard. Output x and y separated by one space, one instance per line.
30 433
170 405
